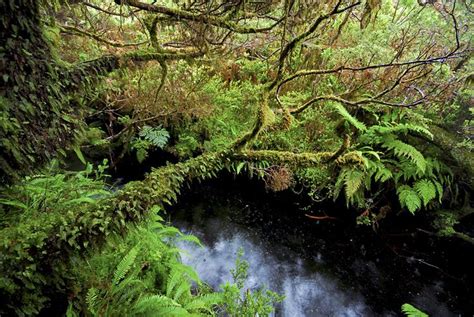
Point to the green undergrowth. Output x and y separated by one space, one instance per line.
105 248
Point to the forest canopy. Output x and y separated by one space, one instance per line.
368 103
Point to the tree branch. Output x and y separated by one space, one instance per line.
202 18
76 31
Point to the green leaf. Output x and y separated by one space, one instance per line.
13 203
124 266
79 155
353 181
239 167
409 198
426 190
402 149
412 311
348 117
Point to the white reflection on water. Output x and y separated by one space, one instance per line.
308 292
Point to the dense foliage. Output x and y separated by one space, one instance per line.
368 103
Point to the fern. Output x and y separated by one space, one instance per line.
153 303
204 302
426 190
348 117
70 311
175 278
409 198
156 136
439 190
183 291
353 181
92 300
402 128
402 149
379 171
125 265
412 311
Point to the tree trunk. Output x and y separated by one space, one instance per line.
34 120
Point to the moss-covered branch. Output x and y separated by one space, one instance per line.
283 157
218 21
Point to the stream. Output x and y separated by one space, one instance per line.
326 268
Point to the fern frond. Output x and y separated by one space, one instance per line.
196 305
439 190
418 129
124 266
175 278
339 183
402 149
157 136
412 311
169 232
403 128
153 303
407 170
409 198
92 300
128 288
192 239
353 181
348 117
426 190
379 171
183 290
190 273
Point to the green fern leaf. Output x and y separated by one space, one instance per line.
157 136
175 278
153 303
407 170
403 128
124 266
183 290
418 129
339 183
353 181
348 117
190 273
211 299
402 149
196 305
13 203
172 312
380 172
70 311
412 311
192 239
92 300
439 190
426 190
169 232
409 198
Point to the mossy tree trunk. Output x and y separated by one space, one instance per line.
33 114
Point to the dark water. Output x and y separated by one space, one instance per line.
327 268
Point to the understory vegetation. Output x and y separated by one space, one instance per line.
364 104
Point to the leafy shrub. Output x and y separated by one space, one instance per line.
48 209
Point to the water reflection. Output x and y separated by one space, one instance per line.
309 290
